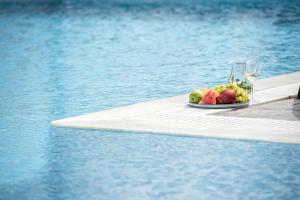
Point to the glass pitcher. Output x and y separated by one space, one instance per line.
237 72
237 75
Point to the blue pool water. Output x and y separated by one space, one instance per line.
65 58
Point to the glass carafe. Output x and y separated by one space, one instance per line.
237 75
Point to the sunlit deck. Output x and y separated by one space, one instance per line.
172 116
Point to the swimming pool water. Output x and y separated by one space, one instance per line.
65 58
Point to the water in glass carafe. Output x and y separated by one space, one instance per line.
237 75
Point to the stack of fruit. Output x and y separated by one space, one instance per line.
220 94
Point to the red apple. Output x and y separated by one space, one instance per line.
226 97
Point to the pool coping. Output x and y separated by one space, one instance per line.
172 116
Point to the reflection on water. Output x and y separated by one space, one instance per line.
64 58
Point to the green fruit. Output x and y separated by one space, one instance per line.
239 99
231 86
244 94
196 96
239 92
220 88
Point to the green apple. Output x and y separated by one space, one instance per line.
196 96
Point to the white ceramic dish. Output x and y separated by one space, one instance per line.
219 106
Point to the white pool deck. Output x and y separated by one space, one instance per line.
172 116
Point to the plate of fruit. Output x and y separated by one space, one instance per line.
220 96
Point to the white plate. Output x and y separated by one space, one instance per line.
220 106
